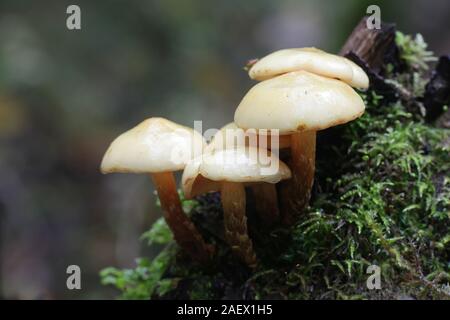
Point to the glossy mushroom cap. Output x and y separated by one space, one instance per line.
298 101
154 145
193 183
312 60
227 136
230 136
241 164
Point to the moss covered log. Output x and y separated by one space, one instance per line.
383 199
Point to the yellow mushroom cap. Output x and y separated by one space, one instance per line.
221 139
312 60
241 164
154 145
193 183
298 101
230 136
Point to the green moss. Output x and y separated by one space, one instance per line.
386 211
385 200
142 281
413 51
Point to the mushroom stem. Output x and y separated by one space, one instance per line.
235 221
184 231
266 203
296 192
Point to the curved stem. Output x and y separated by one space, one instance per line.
266 202
296 192
235 221
184 231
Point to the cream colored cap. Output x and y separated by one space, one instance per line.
193 183
312 60
230 136
240 164
154 145
298 101
222 140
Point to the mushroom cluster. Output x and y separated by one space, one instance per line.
300 92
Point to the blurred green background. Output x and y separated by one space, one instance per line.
65 95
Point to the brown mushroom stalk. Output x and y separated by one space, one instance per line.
235 222
297 191
265 194
184 231
266 203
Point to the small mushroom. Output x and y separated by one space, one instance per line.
231 135
229 171
159 147
299 104
312 60
265 194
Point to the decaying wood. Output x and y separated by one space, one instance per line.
374 49
372 46
437 91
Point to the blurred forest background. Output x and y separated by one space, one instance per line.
65 95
